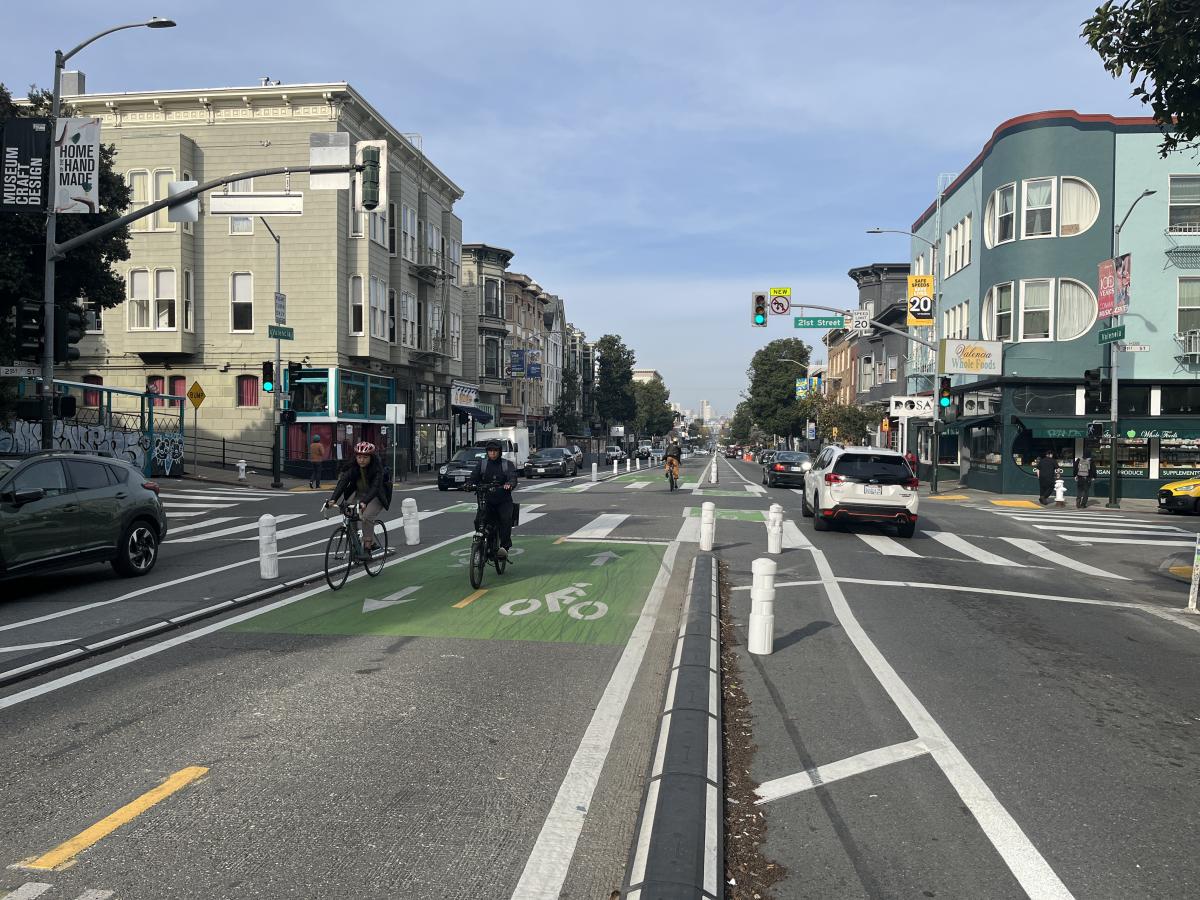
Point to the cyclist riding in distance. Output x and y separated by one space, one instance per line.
671 458
495 471
363 480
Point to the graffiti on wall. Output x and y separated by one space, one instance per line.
131 446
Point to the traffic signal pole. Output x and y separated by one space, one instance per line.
51 260
276 445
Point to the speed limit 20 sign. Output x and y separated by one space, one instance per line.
920 300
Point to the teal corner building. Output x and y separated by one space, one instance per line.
1021 232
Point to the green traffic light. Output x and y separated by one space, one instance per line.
945 401
759 318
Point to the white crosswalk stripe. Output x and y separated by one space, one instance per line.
233 529
207 523
1102 527
1033 548
886 545
1088 539
600 527
1142 531
636 485
29 890
966 548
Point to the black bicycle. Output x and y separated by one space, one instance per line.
345 548
486 542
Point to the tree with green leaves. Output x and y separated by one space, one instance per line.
771 397
1158 43
565 413
853 423
741 424
654 416
614 385
86 276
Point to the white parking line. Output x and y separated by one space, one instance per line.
788 785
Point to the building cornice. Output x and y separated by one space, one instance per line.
261 103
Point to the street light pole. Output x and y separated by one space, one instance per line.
1113 360
276 443
60 62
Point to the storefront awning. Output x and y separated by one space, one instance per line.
962 424
1168 429
474 412
1057 428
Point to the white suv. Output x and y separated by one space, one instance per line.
865 483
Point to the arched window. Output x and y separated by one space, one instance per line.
1079 206
1077 309
247 390
92 398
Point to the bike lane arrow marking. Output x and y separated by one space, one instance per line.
599 559
370 605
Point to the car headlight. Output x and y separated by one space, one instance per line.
443 470
1186 487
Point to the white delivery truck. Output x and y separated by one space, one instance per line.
514 442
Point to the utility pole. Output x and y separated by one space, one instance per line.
276 466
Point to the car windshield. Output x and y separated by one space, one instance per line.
549 454
469 454
791 456
881 467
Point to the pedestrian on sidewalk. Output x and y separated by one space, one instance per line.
911 459
1047 468
316 456
1085 474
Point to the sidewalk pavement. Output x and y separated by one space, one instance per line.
260 479
951 491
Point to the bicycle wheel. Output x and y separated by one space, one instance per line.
478 561
374 565
497 561
338 558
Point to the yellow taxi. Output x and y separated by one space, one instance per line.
1180 496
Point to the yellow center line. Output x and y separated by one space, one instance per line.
64 852
467 601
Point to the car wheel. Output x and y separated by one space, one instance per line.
820 523
138 551
805 509
906 530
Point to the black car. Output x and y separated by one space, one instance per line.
551 461
62 508
455 473
786 467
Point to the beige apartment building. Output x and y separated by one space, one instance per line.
374 298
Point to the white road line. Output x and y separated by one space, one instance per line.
234 529
689 532
711 849
580 488
94 895
171 507
788 785
221 495
636 485
778 584
1087 520
637 873
793 537
1041 552
207 523
40 646
546 869
1023 859
28 891
1080 529
886 545
755 488
966 548
601 526
186 515
1112 540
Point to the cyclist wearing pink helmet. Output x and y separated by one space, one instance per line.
363 480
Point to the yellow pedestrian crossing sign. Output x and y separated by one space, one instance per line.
196 394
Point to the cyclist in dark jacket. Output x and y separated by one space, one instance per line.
499 472
363 480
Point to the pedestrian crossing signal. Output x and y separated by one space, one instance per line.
759 310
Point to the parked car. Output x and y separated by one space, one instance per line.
613 453
455 473
644 448
577 452
551 461
63 508
787 467
870 484
1180 496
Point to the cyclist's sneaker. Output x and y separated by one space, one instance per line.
501 553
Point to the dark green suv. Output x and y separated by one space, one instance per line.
59 509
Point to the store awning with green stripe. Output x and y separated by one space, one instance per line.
1057 428
962 424
1167 428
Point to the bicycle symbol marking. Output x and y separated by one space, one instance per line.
572 598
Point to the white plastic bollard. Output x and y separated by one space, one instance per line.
639 464
412 522
775 516
760 638
775 539
628 464
1060 493
241 464
712 478
595 472
268 549
708 525
614 467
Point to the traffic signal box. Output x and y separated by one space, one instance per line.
759 310
268 377
944 393
29 330
1091 387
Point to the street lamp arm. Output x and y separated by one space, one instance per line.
1142 196
932 244
63 57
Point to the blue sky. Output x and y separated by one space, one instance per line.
650 162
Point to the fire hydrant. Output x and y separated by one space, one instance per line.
241 464
1060 493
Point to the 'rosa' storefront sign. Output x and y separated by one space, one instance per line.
981 358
